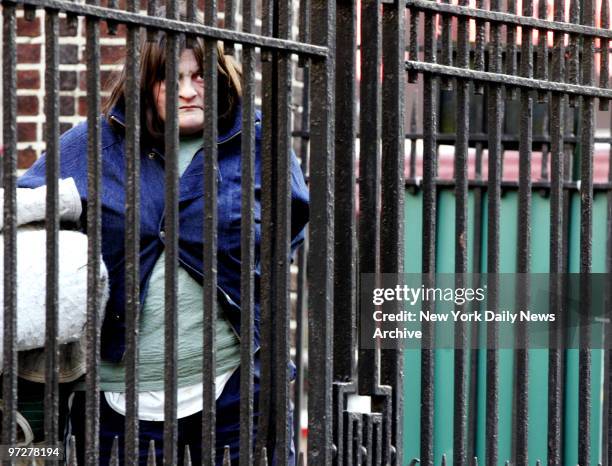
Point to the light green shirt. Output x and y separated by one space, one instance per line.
190 324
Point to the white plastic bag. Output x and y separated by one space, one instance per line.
31 286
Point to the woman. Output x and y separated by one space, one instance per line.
191 210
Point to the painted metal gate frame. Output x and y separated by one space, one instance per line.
562 74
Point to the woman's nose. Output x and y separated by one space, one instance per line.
187 89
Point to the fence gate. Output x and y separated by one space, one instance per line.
360 65
512 100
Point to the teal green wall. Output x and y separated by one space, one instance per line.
538 359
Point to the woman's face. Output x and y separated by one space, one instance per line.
190 95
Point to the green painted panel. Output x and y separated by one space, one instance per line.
444 359
538 358
570 438
538 361
413 244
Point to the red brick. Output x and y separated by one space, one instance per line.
112 54
26 132
69 54
68 80
28 79
27 105
28 53
28 28
66 107
65 30
26 157
104 77
82 107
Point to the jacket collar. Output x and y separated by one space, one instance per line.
117 115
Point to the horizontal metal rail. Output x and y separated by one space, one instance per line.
168 25
443 138
508 18
508 80
509 184
482 137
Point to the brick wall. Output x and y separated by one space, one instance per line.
30 78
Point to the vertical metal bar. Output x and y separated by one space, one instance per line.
304 21
511 62
267 20
573 50
339 427
94 236
191 10
282 177
446 47
171 243
587 147
347 439
367 440
376 453
9 163
151 11
556 240
52 222
604 54
461 193
542 69
229 20
264 435
110 24
413 46
430 88
229 14
132 237
320 274
495 116
521 415
479 53
345 300
247 238
359 452
369 141
210 238
392 208
191 13
345 239
413 141
544 161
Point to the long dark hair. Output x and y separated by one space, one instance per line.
152 71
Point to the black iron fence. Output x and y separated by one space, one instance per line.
452 47
562 71
274 50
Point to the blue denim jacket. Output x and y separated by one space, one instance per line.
73 163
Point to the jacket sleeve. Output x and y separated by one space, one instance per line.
35 176
73 164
